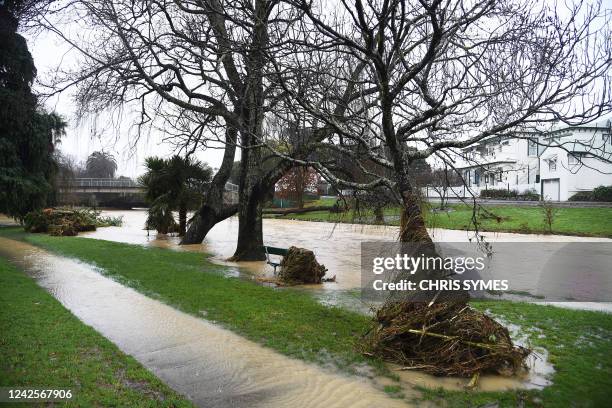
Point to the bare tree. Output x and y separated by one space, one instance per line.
442 180
295 183
202 62
443 75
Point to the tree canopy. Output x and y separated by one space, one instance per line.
27 133
101 164
174 184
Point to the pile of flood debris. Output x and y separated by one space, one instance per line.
66 221
299 265
448 338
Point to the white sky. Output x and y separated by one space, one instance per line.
49 52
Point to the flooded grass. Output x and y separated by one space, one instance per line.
43 345
595 222
296 324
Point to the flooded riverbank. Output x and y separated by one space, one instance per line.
338 247
210 365
184 351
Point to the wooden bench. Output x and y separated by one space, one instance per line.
274 251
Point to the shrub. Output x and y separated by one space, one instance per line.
67 221
602 193
529 195
549 214
582 196
499 193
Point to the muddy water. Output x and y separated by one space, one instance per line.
337 246
210 365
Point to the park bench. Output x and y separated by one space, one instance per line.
270 250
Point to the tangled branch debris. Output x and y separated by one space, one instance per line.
300 266
66 221
448 338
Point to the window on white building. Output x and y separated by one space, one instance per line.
533 148
552 165
573 159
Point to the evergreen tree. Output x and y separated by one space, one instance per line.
27 134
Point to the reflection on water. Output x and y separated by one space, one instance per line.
337 246
210 365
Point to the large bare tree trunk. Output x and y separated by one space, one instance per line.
412 223
251 195
213 210
249 246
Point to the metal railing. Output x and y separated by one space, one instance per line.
116 183
100 183
231 187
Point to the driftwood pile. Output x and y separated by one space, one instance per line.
448 338
299 265
60 222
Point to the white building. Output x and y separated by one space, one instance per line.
555 164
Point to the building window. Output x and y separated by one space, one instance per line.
573 159
477 177
552 165
533 148
499 176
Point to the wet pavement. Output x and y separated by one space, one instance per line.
213 366
210 365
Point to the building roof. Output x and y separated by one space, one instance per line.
507 161
603 122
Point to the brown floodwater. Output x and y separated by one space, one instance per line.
207 363
210 365
338 247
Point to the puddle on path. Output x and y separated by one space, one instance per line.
212 366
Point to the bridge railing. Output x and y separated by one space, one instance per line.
100 183
231 187
115 183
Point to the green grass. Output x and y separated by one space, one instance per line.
287 320
529 220
43 345
294 323
579 344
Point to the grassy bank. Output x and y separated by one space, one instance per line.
595 222
43 345
295 324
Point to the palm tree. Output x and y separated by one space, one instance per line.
187 180
173 184
156 194
101 164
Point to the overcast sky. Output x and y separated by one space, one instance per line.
49 52
81 140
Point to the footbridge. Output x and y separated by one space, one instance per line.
107 191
